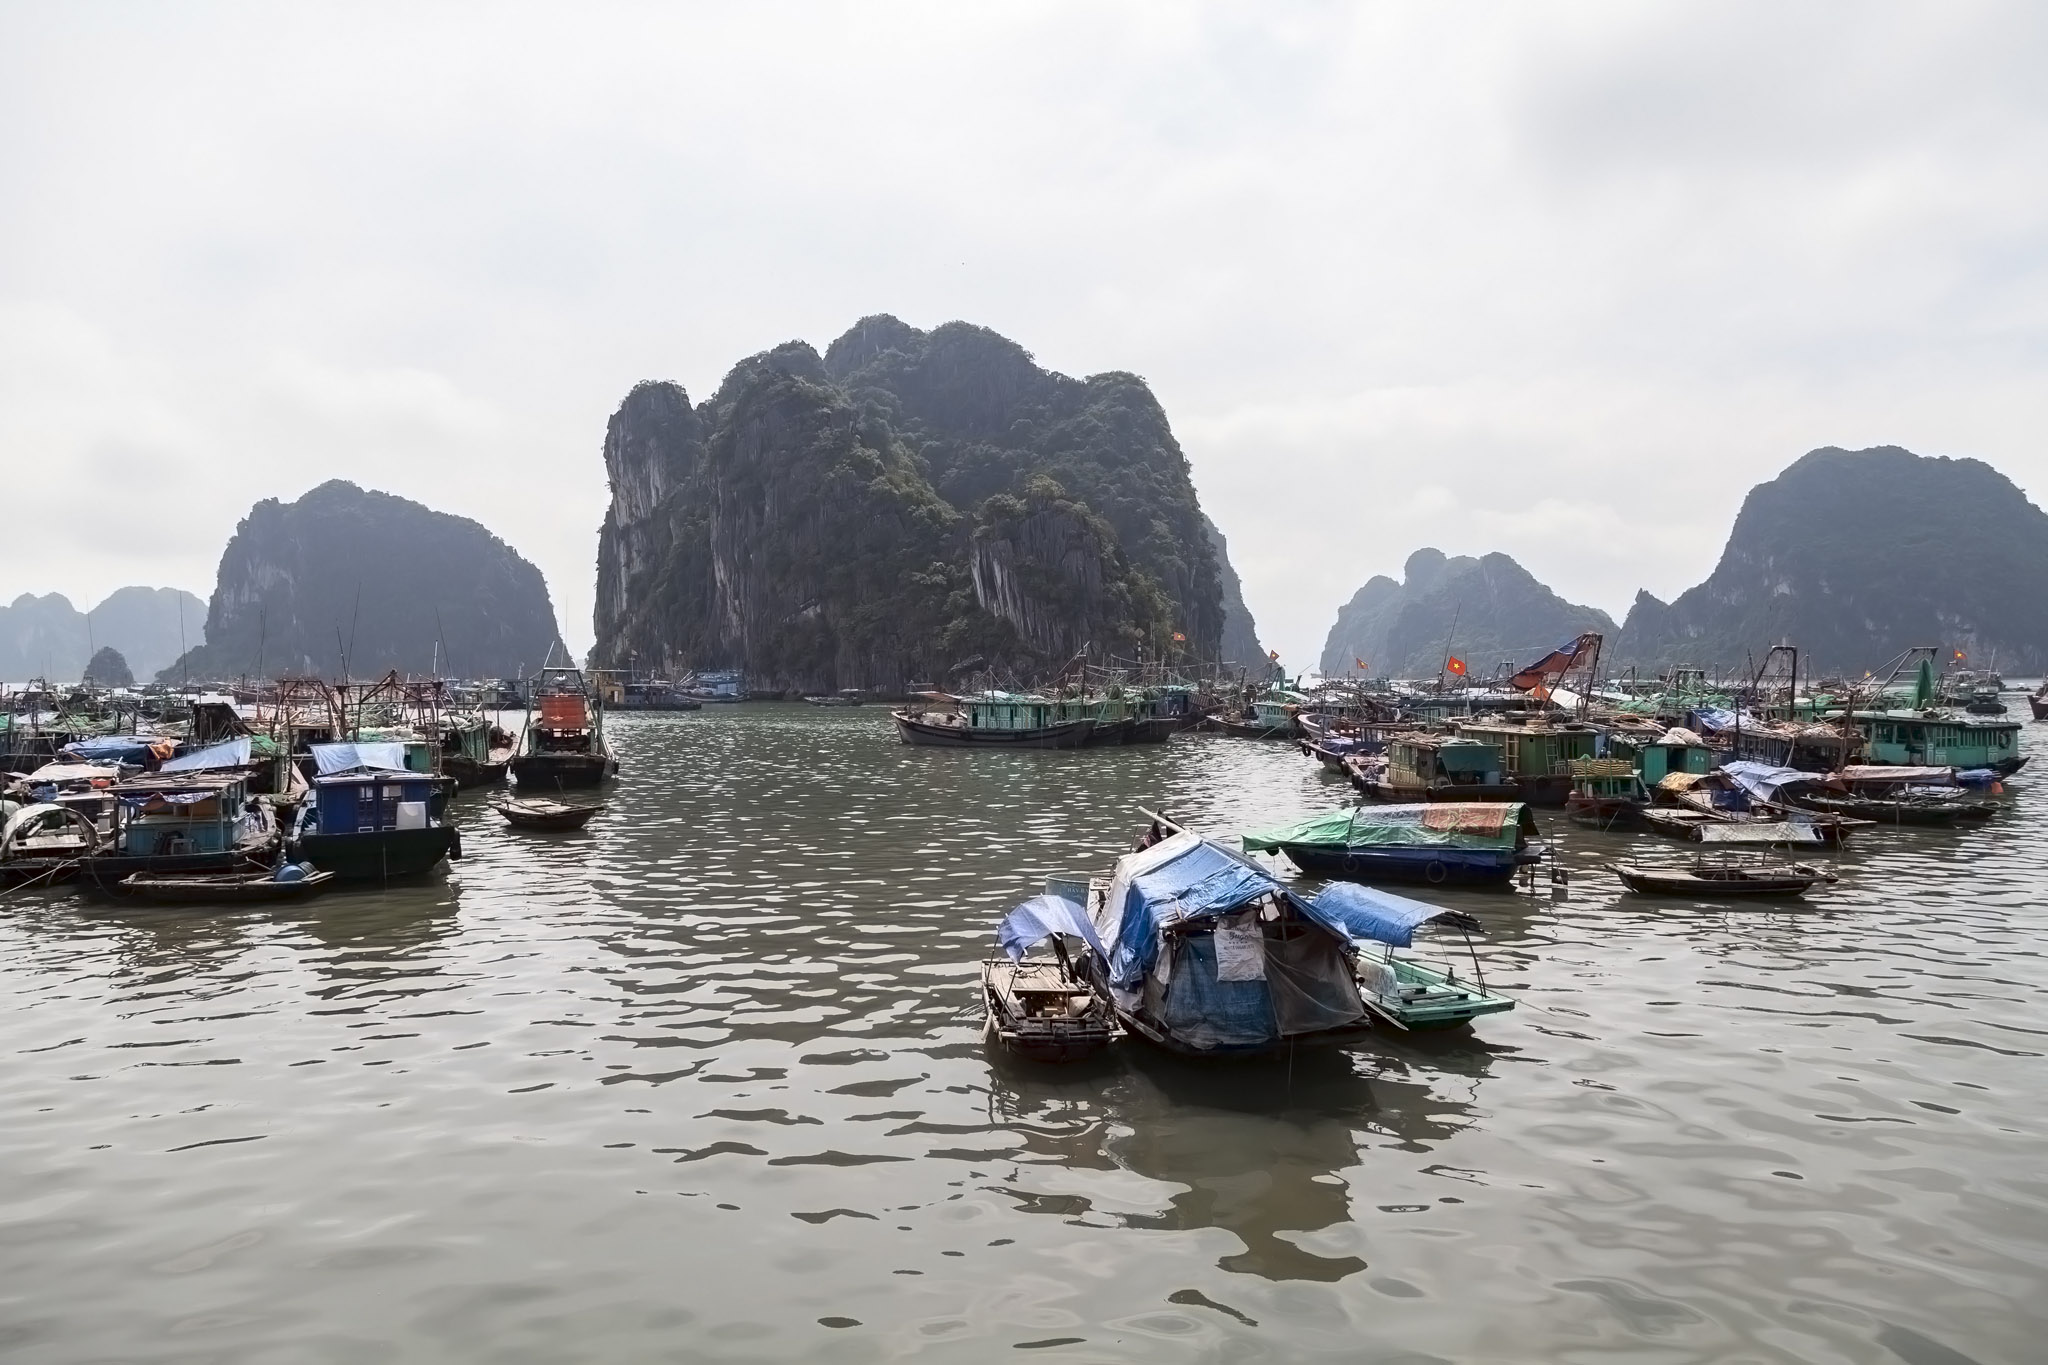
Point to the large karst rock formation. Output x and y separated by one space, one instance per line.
896 509
391 583
1857 556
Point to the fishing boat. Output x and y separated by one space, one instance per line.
1895 796
1207 954
474 752
1917 739
1456 842
1411 995
1419 767
1617 793
244 888
564 745
196 822
371 818
537 813
1712 877
994 720
849 696
1271 716
2037 702
1718 805
1042 1008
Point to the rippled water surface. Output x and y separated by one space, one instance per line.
704 1083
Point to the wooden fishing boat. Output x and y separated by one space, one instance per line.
538 814
851 696
229 888
564 746
1250 729
1464 843
2037 702
1713 878
1043 1008
996 720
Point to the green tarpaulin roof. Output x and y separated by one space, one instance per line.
1446 824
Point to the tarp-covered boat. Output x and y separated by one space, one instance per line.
1433 842
1206 953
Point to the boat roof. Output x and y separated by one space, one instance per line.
1446 824
157 784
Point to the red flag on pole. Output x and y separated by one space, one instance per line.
1455 665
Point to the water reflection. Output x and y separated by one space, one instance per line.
706 1078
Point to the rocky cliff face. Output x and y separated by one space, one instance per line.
48 637
1240 633
1502 614
1857 556
393 584
906 501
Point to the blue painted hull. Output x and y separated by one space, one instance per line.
1425 864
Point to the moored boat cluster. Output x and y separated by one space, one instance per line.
1197 945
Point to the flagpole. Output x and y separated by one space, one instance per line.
1448 641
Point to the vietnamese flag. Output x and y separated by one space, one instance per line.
1455 665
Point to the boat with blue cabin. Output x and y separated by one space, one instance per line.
370 817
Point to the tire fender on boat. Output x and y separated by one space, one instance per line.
1436 872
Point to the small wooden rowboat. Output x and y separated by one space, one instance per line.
231 887
1713 879
1037 1011
538 813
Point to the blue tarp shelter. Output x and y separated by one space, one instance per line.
1039 919
348 758
1369 914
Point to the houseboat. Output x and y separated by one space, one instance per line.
1207 954
1418 767
1939 739
1002 720
1618 792
563 744
1461 842
1536 757
195 822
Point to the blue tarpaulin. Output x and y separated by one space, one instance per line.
348 758
1365 913
1039 919
1183 878
233 753
136 749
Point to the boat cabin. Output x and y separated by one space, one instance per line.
166 816
369 801
1432 761
1539 757
1938 739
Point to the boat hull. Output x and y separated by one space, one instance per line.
1674 883
1604 812
554 771
1429 866
1140 1027
1382 790
1242 729
470 772
219 890
923 734
381 855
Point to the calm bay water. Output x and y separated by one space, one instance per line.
704 1083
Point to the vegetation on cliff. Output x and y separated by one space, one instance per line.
906 503
1856 556
1503 616
387 582
107 668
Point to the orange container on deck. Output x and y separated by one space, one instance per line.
561 713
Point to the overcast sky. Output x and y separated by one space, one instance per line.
1557 280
